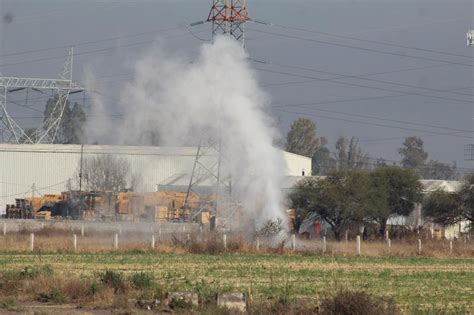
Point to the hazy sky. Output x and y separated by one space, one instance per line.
425 91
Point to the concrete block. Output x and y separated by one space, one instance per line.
232 301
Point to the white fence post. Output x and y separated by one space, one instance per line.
450 247
389 243
324 244
258 244
74 242
358 244
116 241
293 241
82 230
225 241
419 246
153 241
32 241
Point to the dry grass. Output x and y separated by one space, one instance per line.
56 240
291 282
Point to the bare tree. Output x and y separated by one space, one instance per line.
349 155
106 173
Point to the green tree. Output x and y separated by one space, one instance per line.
71 127
322 162
467 199
451 207
339 199
402 189
349 155
76 125
413 154
302 138
438 170
30 134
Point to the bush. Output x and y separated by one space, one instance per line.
77 289
7 303
34 272
54 295
142 280
355 303
114 280
177 303
93 289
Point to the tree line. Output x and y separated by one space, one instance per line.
364 198
302 139
356 192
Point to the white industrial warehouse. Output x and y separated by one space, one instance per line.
49 168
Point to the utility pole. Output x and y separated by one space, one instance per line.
33 188
81 199
469 148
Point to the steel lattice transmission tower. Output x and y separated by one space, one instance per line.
11 131
228 17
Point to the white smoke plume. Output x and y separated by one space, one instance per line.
216 95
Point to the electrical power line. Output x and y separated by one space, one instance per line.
391 120
401 93
373 50
24 52
373 124
350 100
370 41
360 77
86 52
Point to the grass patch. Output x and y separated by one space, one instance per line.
142 280
412 282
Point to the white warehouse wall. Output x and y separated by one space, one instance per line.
50 167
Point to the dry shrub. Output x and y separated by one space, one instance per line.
347 302
120 301
78 290
212 244
299 307
114 280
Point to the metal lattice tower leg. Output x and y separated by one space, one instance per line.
11 131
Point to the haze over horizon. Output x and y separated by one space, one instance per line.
429 87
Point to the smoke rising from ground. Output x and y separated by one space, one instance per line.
172 102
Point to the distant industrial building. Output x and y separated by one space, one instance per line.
48 168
